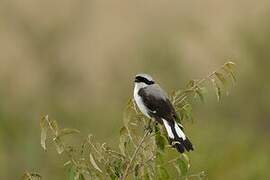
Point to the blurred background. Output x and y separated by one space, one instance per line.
75 60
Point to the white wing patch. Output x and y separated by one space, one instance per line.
168 129
179 132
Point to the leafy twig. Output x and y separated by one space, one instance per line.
126 172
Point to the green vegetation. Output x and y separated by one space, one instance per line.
143 148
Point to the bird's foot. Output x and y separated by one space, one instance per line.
149 126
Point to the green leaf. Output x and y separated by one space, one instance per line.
186 158
128 112
54 126
148 173
221 77
160 139
71 174
94 164
217 89
230 71
233 77
117 166
123 131
199 92
190 84
186 112
230 64
123 140
81 177
136 170
181 166
31 176
67 131
163 173
44 130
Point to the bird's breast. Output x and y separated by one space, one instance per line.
139 101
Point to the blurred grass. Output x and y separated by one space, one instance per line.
75 60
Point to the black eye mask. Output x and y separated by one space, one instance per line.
144 80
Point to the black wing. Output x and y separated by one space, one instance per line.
158 107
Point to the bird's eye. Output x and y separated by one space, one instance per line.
144 80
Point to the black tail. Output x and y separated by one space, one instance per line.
177 138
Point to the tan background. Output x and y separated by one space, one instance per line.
76 60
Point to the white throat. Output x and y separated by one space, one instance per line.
138 86
138 99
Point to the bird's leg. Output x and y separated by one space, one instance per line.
148 127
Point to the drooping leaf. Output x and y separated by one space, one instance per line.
186 112
54 126
59 145
160 139
94 164
77 175
186 159
81 177
31 176
230 71
230 64
136 170
43 136
217 89
190 84
233 78
146 176
123 140
181 166
123 131
117 167
221 77
199 92
163 173
128 112
71 173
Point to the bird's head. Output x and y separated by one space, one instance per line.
144 79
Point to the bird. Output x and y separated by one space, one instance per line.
154 103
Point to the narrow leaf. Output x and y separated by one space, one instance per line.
199 92
230 64
66 131
59 145
233 77
190 84
229 70
54 126
160 140
123 140
93 162
163 173
217 88
71 173
43 136
31 176
187 112
136 170
221 77
182 167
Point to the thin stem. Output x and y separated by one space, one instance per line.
184 96
146 162
126 172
